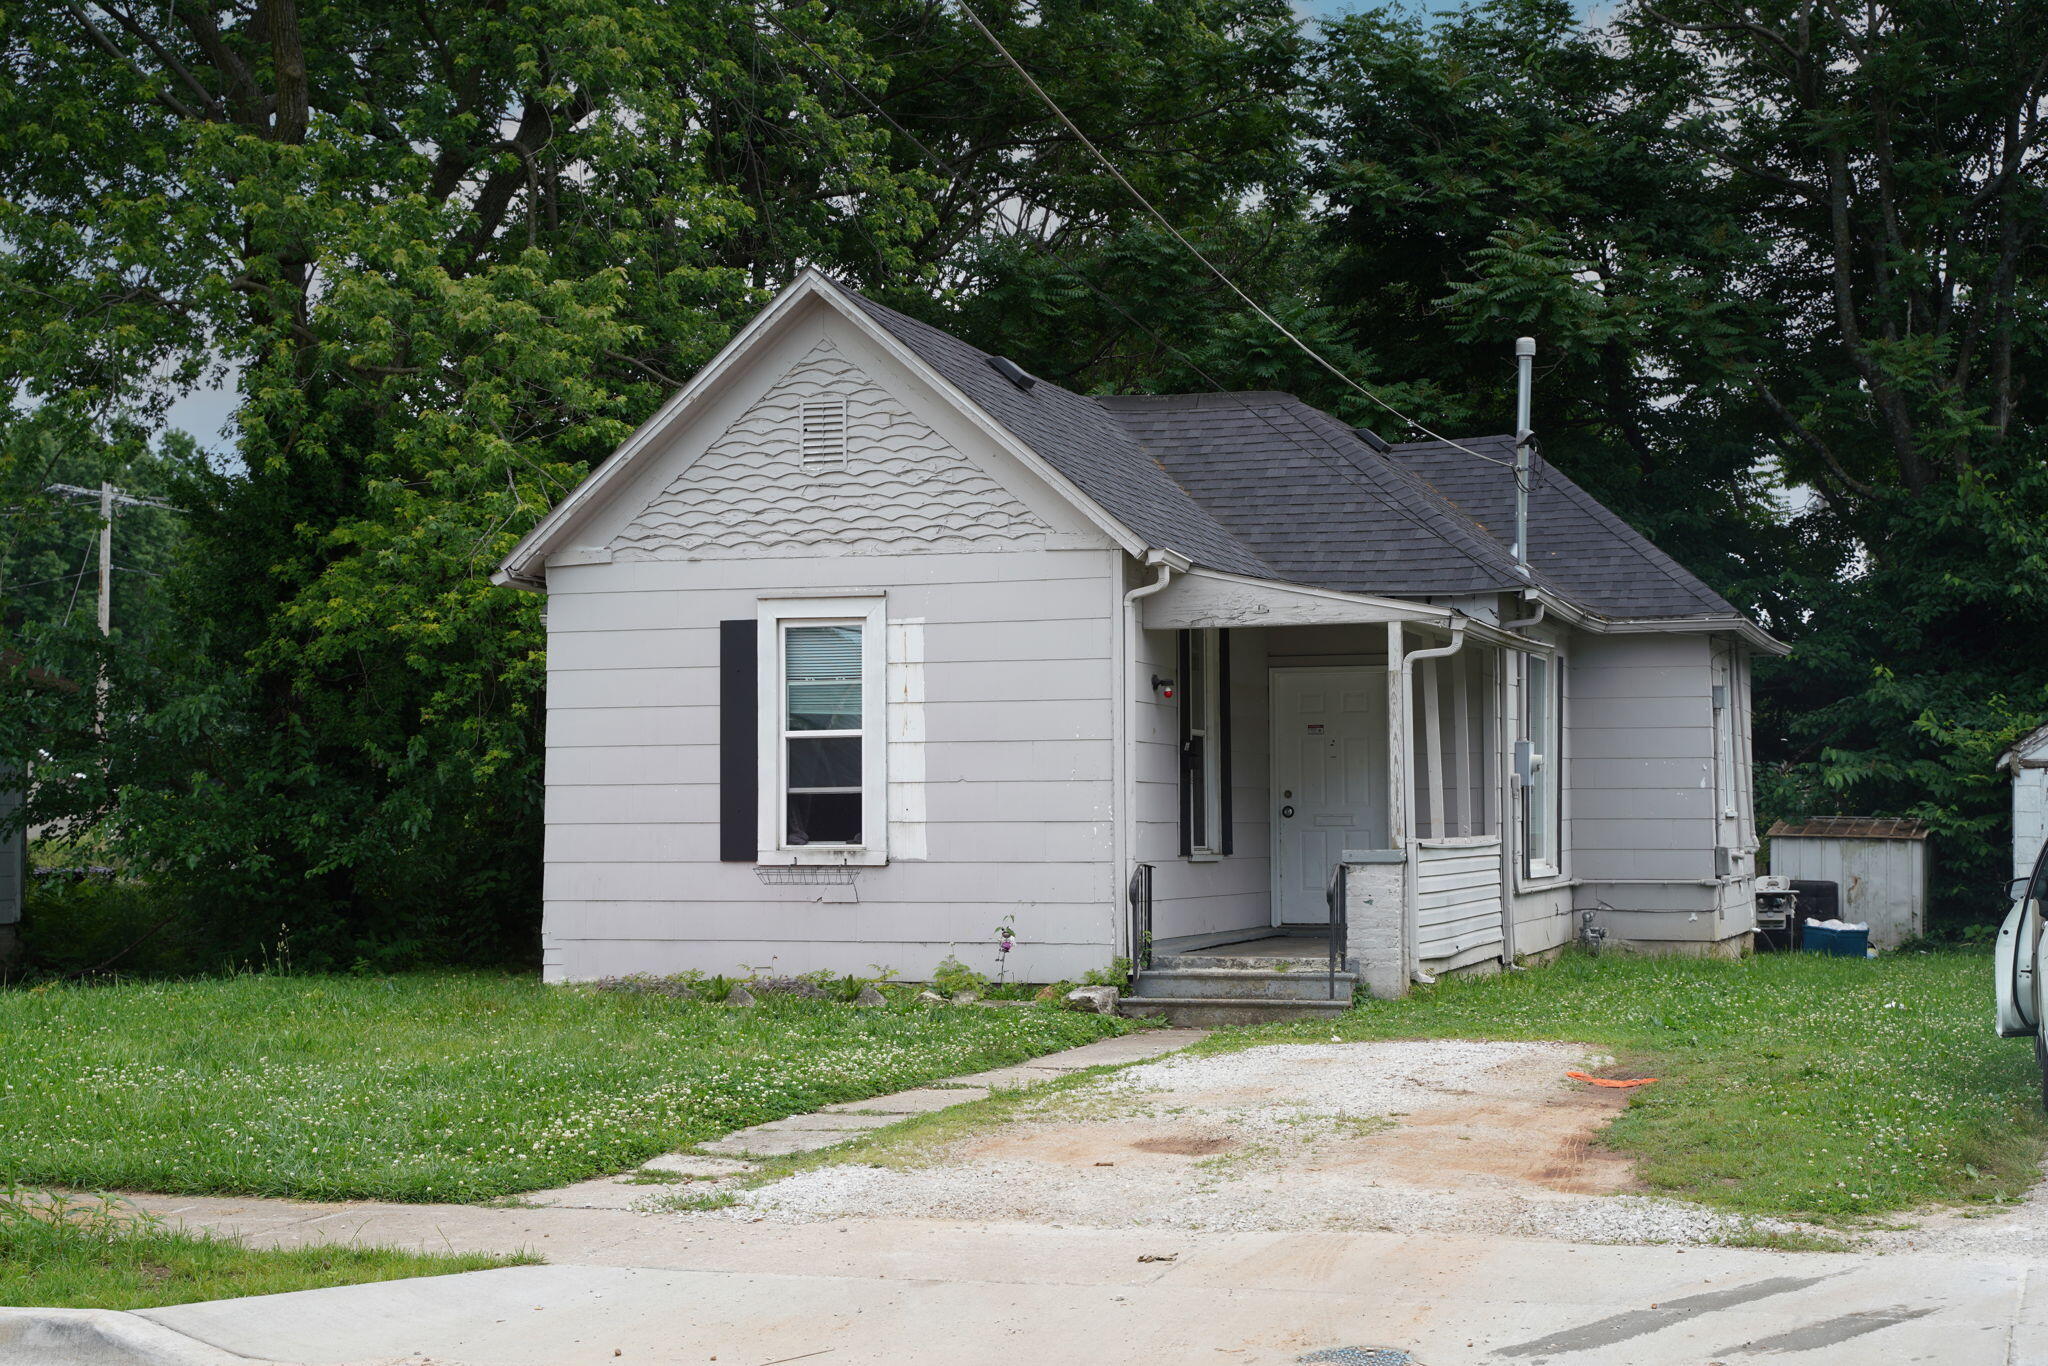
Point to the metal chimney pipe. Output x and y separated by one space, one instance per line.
1525 364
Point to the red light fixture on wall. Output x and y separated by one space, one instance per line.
1162 686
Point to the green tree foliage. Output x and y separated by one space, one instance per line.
454 254
1762 245
1892 159
450 254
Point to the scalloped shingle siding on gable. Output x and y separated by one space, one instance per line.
902 487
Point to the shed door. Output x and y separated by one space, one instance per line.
1329 781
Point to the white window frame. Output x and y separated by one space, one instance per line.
1546 763
1205 642
869 612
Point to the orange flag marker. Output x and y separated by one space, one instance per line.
1610 1081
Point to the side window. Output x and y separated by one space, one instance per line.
822 739
1542 798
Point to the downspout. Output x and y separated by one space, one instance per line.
1519 622
1405 697
1125 825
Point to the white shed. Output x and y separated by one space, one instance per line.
1879 865
2028 763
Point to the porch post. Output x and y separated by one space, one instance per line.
1397 744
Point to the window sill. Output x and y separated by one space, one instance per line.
821 858
1204 856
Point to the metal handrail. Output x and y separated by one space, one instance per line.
1141 918
1340 927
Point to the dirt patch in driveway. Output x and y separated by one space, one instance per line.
1451 1136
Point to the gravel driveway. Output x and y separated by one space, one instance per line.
1426 1136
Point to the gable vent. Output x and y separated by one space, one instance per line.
824 434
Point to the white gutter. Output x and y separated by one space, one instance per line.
1405 836
1124 827
1740 626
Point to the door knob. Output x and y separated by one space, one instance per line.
1286 811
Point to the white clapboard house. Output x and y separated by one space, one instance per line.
868 643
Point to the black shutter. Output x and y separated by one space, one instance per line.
1220 747
1188 796
739 776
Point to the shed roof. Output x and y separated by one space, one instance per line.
1850 828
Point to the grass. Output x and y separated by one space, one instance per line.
449 1086
1793 1085
71 1253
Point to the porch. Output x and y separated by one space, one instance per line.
1342 771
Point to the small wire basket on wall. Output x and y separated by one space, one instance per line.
806 877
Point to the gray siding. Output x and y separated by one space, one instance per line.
1204 895
1647 790
1017 772
1457 901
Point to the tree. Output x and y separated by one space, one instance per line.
454 253
1892 158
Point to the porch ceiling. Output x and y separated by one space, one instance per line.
1206 598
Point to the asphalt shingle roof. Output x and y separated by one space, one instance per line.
1076 437
1262 484
1590 555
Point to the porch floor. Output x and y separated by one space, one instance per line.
1314 943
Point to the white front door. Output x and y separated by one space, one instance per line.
1329 781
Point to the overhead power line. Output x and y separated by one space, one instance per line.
1340 465
1196 252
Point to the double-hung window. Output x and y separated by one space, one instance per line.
822 738
1542 824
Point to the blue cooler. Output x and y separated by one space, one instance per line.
1840 943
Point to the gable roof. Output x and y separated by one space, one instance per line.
1083 442
1260 485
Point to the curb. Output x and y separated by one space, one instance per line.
101 1337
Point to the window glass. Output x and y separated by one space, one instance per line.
1541 796
821 672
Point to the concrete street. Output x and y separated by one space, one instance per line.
911 1292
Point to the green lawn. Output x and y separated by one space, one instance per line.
97 1254
1793 1084
440 1086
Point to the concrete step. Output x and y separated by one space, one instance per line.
1211 1011
1244 983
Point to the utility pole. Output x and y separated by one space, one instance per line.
110 497
99 702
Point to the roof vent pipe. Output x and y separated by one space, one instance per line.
1373 439
1012 372
1525 364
